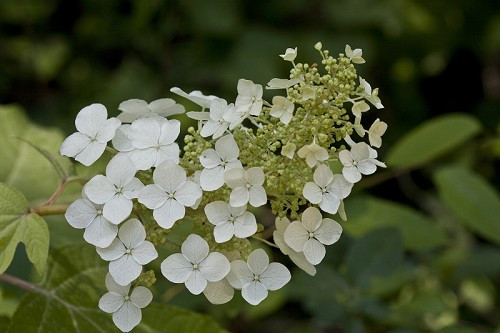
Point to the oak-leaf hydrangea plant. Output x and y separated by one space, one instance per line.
243 156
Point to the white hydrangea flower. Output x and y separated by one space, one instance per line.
289 150
216 161
216 125
230 221
371 96
290 54
154 142
361 159
137 108
282 108
195 96
128 252
170 194
297 257
359 107
115 190
327 190
125 305
94 132
313 153
219 292
377 129
356 55
249 99
312 234
83 213
256 276
247 186
195 266
282 83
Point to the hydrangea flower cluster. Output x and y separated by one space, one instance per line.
241 156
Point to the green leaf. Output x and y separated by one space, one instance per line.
366 214
20 165
67 301
17 225
432 139
472 200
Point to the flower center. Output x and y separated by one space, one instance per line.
170 195
255 277
195 266
248 186
311 234
128 251
99 212
127 297
223 163
323 190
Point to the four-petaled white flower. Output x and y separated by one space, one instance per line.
361 159
194 266
327 190
216 161
137 108
371 96
115 190
249 99
282 108
356 55
170 194
312 234
94 132
297 257
128 252
290 54
282 83
230 221
313 153
154 142
377 129
83 213
125 305
256 276
289 150
247 186
216 125
359 107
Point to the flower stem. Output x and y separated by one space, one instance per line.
49 209
265 241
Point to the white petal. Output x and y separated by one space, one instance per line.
110 302
328 232
210 159
340 186
108 130
227 148
120 170
170 130
351 174
188 193
168 152
194 248
314 251
91 153
132 189
91 118
74 144
170 212
169 176
223 232
212 179
198 115
275 276
100 232
235 177
143 159
127 317
214 267
330 203
258 261
255 176
209 128
125 269
117 209
323 176
121 141
166 107
239 275
145 133
112 286
176 268
360 151
312 192
144 253
80 213
217 212
99 189
311 219
141 297
219 292
136 107
239 197
366 167
196 283
195 96
257 196
245 225
152 196
132 233
346 158
254 292
296 236
114 251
